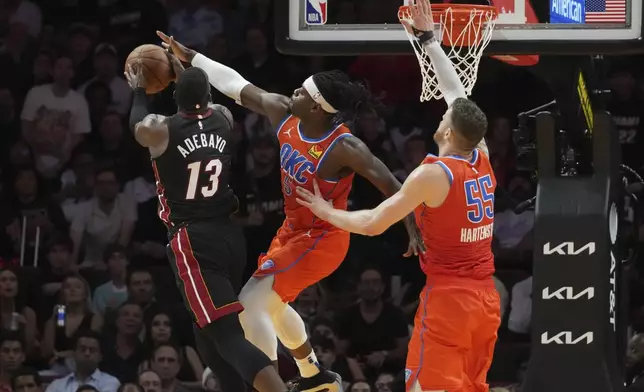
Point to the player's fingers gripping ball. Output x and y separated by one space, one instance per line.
155 65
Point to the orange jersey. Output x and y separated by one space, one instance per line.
300 158
458 234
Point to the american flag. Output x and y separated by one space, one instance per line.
606 11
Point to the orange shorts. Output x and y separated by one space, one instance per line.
299 259
455 330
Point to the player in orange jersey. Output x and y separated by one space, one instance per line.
452 195
315 145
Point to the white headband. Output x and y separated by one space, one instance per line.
309 85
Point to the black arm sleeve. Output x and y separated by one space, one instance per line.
139 107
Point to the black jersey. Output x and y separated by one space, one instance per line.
193 173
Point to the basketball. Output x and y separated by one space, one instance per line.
157 69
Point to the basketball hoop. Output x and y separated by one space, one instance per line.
465 30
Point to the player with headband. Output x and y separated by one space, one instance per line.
315 146
452 195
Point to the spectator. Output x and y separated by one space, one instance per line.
324 327
58 341
159 330
113 293
99 101
195 24
360 386
80 44
115 146
258 63
42 69
513 232
373 330
25 12
125 352
384 382
77 182
108 217
415 151
307 304
8 122
521 307
15 52
150 381
106 70
55 118
37 208
58 252
502 151
130 387
12 356
141 290
87 356
26 380
347 368
166 362
405 130
15 314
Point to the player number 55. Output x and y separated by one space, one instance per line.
214 166
480 201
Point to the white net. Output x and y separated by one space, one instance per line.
465 35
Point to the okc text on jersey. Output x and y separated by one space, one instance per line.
316 12
294 164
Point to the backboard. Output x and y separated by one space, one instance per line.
345 27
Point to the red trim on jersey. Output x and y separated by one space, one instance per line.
194 285
205 114
164 209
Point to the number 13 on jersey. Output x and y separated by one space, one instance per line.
213 167
480 198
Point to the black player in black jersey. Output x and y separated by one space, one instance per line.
191 154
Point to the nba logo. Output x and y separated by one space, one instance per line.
316 12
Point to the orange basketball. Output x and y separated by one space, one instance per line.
157 69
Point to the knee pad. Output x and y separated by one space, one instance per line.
290 327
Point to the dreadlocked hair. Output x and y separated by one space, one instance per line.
192 91
350 99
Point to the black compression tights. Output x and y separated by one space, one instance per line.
223 340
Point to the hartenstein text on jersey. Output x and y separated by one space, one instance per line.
477 233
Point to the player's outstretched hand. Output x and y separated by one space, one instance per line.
314 201
177 67
183 53
416 244
134 75
421 14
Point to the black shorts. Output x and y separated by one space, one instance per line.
208 259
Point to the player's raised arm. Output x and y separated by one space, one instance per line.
231 83
426 184
150 130
449 83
